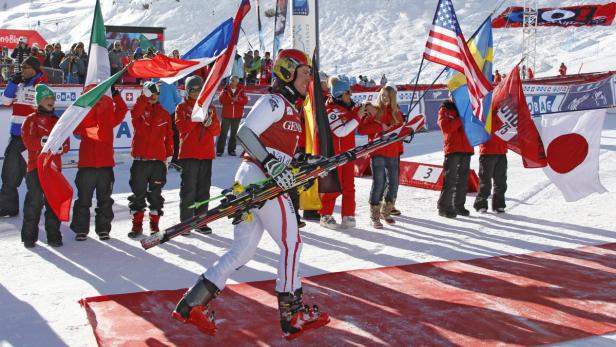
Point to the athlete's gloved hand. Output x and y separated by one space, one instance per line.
17 78
150 88
299 158
281 174
168 161
43 141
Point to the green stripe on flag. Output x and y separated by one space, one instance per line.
98 28
90 98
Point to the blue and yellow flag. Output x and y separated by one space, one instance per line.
477 127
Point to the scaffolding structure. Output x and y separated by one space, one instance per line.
529 32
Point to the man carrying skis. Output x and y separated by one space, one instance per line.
269 135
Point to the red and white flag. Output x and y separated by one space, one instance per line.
447 46
572 141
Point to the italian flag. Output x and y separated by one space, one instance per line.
98 63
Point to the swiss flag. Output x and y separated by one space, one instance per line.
572 141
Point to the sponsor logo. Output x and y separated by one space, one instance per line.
292 126
273 103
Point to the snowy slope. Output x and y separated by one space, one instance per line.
358 36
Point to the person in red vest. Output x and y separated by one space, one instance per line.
492 168
266 69
457 162
34 132
563 69
383 162
344 117
497 77
95 169
152 150
233 99
530 74
196 152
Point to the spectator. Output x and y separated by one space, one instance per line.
492 168
74 65
196 153
175 54
247 64
458 153
36 52
57 56
238 68
266 69
531 74
344 117
383 162
371 83
170 98
152 150
254 69
35 131
6 65
523 72
383 80
20 93
20 53
115 57
497 77
48 52
563 69
95 169
233 100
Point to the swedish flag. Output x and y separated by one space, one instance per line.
477 128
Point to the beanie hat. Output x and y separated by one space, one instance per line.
33 62
338 86
42 92
193 82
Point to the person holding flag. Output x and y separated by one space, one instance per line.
35 132
270 136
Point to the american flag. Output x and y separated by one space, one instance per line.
446 46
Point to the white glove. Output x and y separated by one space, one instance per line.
168 161
280 173
44 140
146 89
207 122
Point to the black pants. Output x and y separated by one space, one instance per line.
492 167
195 187
87 180
455 181
147 179
227 124
13 172
32 213
176 139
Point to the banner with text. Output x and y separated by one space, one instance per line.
586 15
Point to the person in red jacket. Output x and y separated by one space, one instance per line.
344 117
152 150
196 152
457 162
233 100
562 70
266 69
492 167
34 133
384 162
530 74
95 169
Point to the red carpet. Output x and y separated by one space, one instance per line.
531 299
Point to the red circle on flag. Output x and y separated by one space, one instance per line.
567 152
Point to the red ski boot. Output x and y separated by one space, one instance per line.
194 308
137 229
154 218
295 317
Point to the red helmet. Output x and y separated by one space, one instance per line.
287 61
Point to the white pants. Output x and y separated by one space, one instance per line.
277 216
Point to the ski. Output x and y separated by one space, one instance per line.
240 200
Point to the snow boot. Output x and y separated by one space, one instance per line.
348 222
386 212
154 218
394 211
204 230
194 307
327 221
137 229
375 216
295 317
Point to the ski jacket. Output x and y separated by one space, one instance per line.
196 139
96 132
37 126
22 96
343 121
20 54
266 71
454 138
153 135
374 129
495 145
233 109
277 123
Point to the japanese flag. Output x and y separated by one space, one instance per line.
572 141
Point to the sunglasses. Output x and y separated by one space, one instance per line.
194 90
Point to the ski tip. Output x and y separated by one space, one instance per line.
417 122
152 240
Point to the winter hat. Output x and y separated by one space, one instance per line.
42 92
193 82
32 62
338 86
22 40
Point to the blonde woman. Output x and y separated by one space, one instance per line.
384 162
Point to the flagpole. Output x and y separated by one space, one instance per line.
445 69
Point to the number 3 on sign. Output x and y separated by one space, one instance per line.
428 174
